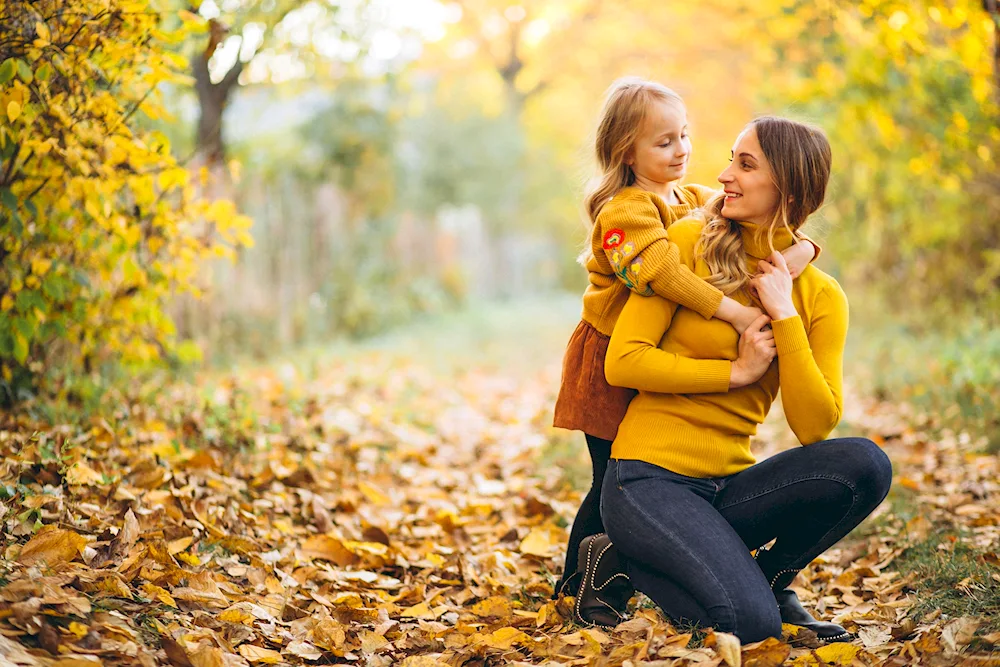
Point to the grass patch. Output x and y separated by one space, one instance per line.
950 575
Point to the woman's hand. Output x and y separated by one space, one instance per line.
756 352
798 257
773 286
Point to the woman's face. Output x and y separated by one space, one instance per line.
662 149
751 195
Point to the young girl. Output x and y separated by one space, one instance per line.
642 149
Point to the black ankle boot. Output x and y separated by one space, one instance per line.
605 589
792 611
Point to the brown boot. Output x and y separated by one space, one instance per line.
605 589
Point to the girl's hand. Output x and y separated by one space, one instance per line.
773 285
756 352
798 257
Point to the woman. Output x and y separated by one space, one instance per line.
684 501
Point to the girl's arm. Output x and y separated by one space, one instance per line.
801 255
630 235
635 360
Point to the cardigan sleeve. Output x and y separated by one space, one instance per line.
811 366
630 233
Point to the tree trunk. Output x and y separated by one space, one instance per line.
212 100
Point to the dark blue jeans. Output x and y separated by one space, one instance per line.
686 541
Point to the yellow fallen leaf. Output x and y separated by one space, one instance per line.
236 614
838 653
80 474
372 641
493 607
373 494
259 654
78 629
54 547
154 592
769 653
504 638
422 661
421 610
538 542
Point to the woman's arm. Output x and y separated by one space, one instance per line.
811 367
635 360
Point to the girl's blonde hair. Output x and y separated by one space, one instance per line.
626 104
800 158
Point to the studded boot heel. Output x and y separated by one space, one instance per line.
790 607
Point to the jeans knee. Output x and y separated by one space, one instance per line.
875 468
758 623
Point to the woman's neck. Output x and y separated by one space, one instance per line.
665 190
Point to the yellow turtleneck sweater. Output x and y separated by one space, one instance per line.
685 418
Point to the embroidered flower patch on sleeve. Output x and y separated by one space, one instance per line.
613 239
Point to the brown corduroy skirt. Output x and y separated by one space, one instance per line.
586 401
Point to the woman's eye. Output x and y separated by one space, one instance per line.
664 145
746 165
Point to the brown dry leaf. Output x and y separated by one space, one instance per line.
959 633
303 650
260 654
422 661
768 653
327 547
206 655
55 547
873 636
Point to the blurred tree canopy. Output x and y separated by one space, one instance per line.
908 93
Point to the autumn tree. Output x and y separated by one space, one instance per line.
907 92
99 225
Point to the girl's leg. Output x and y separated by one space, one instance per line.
808 498
672 538
588 517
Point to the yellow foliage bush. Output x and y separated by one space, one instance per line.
99 223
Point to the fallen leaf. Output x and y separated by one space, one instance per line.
493 607
770 652
728 648
54 547
327 547
837 653
259 654
959 633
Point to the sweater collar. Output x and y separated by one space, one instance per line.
755 240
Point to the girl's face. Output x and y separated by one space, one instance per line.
662 149
751 195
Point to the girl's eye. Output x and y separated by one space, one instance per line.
664 145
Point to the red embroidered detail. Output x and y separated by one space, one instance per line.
613 239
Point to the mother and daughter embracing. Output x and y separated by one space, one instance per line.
701 306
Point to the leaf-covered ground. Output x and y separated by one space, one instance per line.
406 503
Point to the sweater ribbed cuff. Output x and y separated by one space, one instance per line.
789 335
714 376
